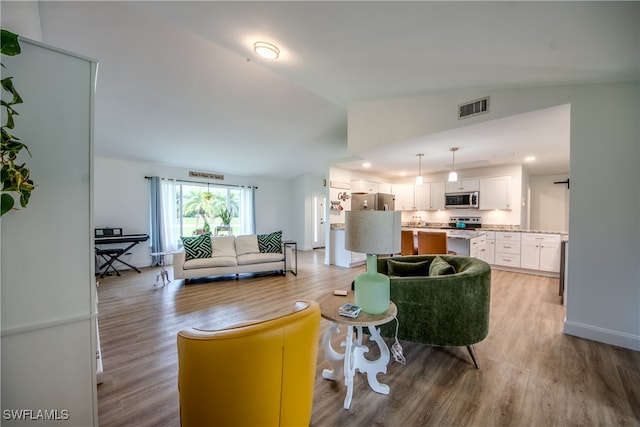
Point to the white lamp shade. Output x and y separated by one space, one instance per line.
419 180
453 176
373 232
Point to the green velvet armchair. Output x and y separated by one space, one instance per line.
444 308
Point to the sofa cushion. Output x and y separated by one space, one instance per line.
196 247
259 258
270 243
224 246
247 245
219 261
440 267
406 269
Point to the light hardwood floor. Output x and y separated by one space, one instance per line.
531 373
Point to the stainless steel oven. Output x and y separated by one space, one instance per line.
465 200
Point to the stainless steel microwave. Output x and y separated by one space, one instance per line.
466 200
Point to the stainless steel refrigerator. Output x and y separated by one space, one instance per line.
375 201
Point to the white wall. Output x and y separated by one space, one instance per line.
549 203
48 342
122 199
22 17
603 288
603 293
338 175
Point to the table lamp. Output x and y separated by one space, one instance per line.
373 233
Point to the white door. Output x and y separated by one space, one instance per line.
318 209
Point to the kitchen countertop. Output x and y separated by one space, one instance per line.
452 233
484 228
444 227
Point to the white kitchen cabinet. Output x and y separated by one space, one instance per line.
384 188
495 193
361 186
541 252
490 247
507 249
477 247
405 197
339 255
430 196
358 259
463 185
437 196
423 197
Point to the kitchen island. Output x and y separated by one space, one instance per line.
525 251
458 240
340 256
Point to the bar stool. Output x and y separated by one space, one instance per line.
432 243
407 242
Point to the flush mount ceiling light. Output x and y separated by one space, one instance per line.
266 50
453 175
419 179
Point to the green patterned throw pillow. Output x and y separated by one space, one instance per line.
270 243
197 246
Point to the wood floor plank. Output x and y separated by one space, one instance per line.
531 373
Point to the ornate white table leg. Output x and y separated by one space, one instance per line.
349 366
334 357
165 275
372 367
354 350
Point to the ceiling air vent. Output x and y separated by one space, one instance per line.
473 108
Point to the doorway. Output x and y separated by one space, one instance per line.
319 203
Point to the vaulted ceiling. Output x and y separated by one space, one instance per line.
179 84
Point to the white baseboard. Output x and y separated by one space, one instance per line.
607 336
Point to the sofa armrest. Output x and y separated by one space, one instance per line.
178 264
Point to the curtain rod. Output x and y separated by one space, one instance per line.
208 183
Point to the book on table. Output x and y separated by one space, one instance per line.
349 310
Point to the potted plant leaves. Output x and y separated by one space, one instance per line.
225 215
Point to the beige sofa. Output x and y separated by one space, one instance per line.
229 255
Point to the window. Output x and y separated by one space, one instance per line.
220 210
187 208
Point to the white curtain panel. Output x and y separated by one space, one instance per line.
247 210
169 226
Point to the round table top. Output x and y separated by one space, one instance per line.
329 304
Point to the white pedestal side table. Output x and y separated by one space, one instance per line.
164 274
352 358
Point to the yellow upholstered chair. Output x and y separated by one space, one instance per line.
259 373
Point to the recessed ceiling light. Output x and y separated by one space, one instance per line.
529 159
366 165
266 50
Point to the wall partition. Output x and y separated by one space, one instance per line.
48 342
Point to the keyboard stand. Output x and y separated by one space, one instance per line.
112 255
109 256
